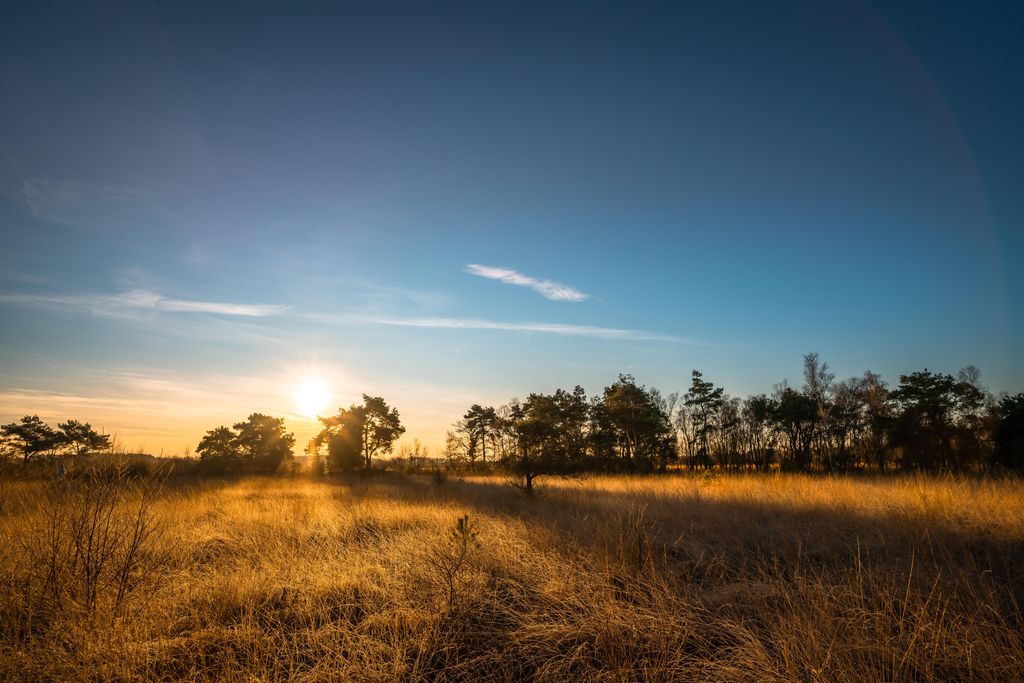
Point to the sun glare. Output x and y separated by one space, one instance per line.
311 398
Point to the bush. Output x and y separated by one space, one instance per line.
96 546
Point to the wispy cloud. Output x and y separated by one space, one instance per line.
380 297
564 329
72 202
546 288
142 300
544 328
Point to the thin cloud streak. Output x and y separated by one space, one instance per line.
546 328
130 303
73 202
564 329
143 300
546 288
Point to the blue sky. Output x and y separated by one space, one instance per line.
203 208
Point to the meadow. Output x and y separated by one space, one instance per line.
400 577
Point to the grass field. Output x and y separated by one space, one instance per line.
608 578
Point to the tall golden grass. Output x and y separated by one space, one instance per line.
731 578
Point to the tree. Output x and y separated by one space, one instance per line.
354 436
29 437
937 412
345 442
727 435
602 438
1009 432
668 406
456 446
263 443
685 430
757 414
843 423
532 427
544 435
80 438
342 434
571 415
818 388
704 401
796 415
381 428
641 430
817 379
218 443
975 418
478 424
218 450
877 406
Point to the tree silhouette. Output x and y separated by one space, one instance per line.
927 428
30 437
262 441
342 434
533 428
757 414
571 415
381 428
642 433
796 414
218 450
80 438
479 426
842 423
818 388
359 433
878 410
1009 432
704 401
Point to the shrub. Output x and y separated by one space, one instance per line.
97 545
448 559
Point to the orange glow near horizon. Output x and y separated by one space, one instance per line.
167 413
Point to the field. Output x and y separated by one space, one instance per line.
787 577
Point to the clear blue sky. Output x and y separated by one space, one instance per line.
202 208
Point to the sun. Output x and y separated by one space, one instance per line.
311 398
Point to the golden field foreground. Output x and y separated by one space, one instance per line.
609 578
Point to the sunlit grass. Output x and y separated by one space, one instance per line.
607 578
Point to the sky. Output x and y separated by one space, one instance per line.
204 208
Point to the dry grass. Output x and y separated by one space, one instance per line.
676 578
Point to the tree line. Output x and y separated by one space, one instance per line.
929 421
